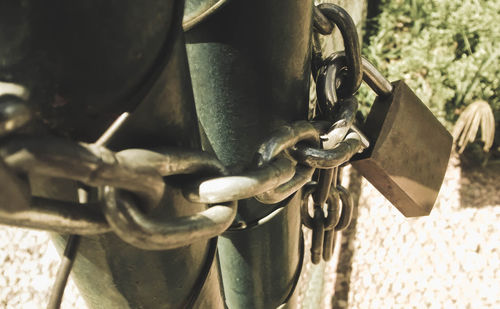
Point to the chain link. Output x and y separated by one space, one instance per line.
339 208
336 15
146 232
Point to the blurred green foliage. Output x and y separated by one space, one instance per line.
447 51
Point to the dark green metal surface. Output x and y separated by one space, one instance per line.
261 265
85 63
250 69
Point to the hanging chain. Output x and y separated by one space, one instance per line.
338 78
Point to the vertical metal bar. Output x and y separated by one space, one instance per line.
67 261
250 68
85 63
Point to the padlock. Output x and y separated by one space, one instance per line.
409 148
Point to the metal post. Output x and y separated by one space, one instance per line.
85 63
250 67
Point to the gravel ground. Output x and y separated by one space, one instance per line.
450 259
29 265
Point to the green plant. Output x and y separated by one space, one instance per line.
476 115
448 52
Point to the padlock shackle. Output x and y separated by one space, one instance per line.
337 62
374 79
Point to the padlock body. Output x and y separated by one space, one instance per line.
409 151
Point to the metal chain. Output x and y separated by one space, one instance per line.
338 78
132 180
279 172
339 208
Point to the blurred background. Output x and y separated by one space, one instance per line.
448 51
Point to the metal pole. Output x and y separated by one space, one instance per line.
250 67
